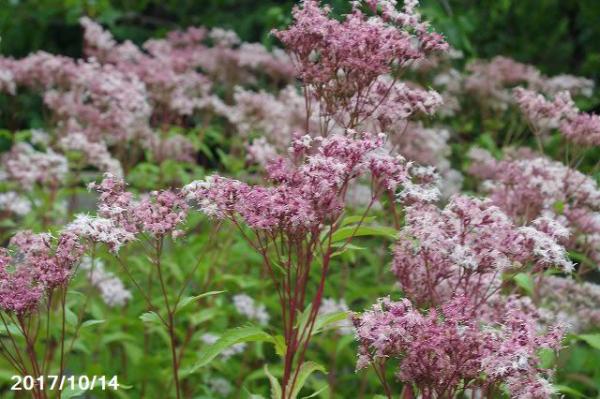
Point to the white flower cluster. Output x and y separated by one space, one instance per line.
111 288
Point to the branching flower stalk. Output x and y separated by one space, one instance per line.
295 223
39 273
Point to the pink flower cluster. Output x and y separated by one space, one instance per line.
390 101
583 128
87 97
544 115
570 302
36 269
427 146
463 249
100 230
169 67
276 117
579 127
94 153
28 167
340 61
447 349
491 81
531 187
166 69
19 291
157 214
306 195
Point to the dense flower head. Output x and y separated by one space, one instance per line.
306 194
276 117
463 249
85 96
390 101
173 146
28 167
491 80
341 59
102 102
12 202
580 313
114 202
527 188
48 265
447 347
541 113
579 127
41 70
247 306
112 289
100 230
19 290
582 128
575 85
179 71
166 69
158 213
94 153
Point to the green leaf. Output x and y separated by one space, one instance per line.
592 340
275 387
559 207
317 392
13 329
356 219
151 317
547 358
228 339
525 281
328 319
306 370
116 337
89 323
568 390
354 231
70 317
280 346
71 393
190 299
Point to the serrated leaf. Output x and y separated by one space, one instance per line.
568 390
190 299
118 336
592 340
328 319
280 346
525 281
356 219
353 231
275 386
317 392
70 317
151 317
228 339
306 370
89 323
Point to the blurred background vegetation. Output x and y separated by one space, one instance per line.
558 36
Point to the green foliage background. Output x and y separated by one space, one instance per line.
559 36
